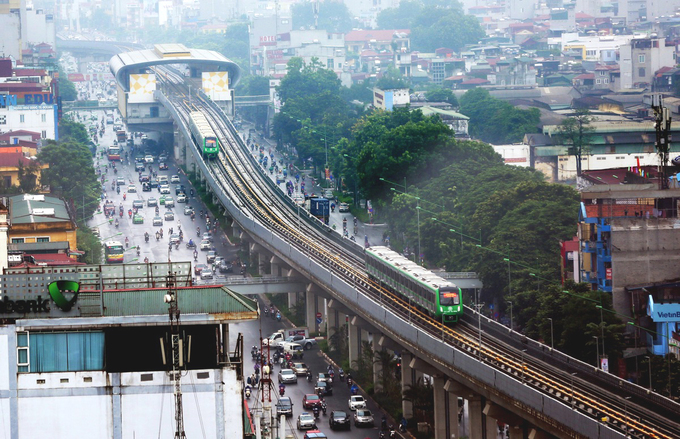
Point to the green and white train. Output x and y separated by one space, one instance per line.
439 297
203 135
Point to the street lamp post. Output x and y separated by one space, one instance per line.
597 351
523 352
625 416
552 334
510 303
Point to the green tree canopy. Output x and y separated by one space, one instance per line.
434 24
441 94
495 121
333 16
576 132
71 174
71 131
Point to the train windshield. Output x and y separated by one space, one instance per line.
449 296
210 143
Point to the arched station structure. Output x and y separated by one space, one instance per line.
206 70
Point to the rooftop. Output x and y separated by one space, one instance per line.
29 209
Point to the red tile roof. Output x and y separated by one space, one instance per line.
12 159
585 76
473 81
20 133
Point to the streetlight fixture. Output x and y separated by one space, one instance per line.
510 303
552 334
597 351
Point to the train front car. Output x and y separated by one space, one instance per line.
415 284
450 305
203 135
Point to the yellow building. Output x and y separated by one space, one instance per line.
40 218
9 168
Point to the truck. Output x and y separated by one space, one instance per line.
279 336
121 136
320 208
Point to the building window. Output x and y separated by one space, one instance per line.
641 72
22 118
22 351
17 240
44 134
43 117
66 352
3 120
598 81
606 81
641 58
602 72
42 239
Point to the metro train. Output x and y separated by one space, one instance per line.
203 135
421 287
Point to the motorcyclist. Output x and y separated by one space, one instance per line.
195 255
127 242
146 236
191 243
158 236
282 389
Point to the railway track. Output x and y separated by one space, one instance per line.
243 181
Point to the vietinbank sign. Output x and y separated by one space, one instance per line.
61 295
663 312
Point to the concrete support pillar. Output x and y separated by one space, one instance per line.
292 300
261 264
353 332
516 432
310 309
407 380
453 389
491 426
476 417
377 369
331 321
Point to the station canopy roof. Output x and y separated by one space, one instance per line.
123 64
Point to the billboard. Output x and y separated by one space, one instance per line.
216 85
142 87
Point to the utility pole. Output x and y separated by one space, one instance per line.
662 126
177 346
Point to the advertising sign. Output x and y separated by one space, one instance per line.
216 85
142 87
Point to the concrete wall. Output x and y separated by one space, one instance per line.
644 251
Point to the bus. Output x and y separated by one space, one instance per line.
114 252
114 153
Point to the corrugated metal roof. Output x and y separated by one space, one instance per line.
197 300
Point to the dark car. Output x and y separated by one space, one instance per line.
338 420
163 166
284 407
310 401
322 388
225 267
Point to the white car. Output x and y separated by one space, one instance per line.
148 158
356 402
174 179
206 245
165 189
206 273
181 198
132 189
287 376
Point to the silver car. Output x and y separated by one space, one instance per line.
363 417
287 376
306 422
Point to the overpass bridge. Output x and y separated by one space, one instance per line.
504 376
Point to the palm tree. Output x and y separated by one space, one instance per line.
421 395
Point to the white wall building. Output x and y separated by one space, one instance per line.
38 118
594 48
40 27
388 99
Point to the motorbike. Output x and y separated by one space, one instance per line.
146 260
158 236
355 389
116 223
247 392
341 375
127 243
282 391
349 382
198 231
324 407
266 311
195 255
316 412
278 316
138 251
146 237
191 245
309 376
253 352
118 190
381 435
393 432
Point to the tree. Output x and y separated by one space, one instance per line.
391 79
441 94
332 16
28 176
496 121
67 91
577 132
71 131
71 174
421 395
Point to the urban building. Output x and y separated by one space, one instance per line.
454 120
387 40
388 99
41 218
4 233
641 58
97 341
629 247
